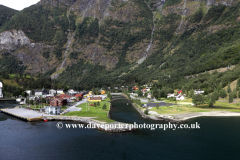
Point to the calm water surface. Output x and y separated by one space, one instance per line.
218 138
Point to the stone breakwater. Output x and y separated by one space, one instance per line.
102 126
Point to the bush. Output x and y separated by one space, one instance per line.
104 106
223 93
146 111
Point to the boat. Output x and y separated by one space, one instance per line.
45 120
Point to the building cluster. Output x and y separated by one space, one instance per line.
55 98
179 96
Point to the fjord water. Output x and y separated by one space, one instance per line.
218 138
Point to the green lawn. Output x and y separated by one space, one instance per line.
93 111
181 109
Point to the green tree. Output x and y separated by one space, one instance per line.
237 87
95 104
65 89
16 78
211 100
223 93
215 94
146 111
98 103
230 98
140 94
191 93
220 86
229 88
238 82
104 106
198 99
157 106
145 94
234 94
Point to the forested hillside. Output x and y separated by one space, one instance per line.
87 44
6 14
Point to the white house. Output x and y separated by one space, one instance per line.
1 86
54 110
52 92
199 91
180 97
170 95
38 92
72 92
59 91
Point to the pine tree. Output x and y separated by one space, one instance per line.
211 101
104 106
215 94
234 94
238 82
191 93
229 88
237 87
98 103
230 100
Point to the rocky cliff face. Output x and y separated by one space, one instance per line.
19 45
12 40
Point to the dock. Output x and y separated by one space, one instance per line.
24 114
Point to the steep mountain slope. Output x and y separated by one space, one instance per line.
6 14
100 42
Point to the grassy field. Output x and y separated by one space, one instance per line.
98 112
181 108
10 82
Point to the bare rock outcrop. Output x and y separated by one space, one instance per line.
12 40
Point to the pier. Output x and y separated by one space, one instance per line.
24 114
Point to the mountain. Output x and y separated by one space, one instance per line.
87 43
6 14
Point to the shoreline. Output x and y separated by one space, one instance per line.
181 118
187 116
23 114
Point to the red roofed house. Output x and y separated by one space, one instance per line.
179 91
58 101
79 96
64 96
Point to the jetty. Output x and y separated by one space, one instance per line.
24 114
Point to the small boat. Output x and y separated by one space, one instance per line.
45 120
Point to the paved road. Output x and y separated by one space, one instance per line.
74 107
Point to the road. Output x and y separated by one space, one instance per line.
74 107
